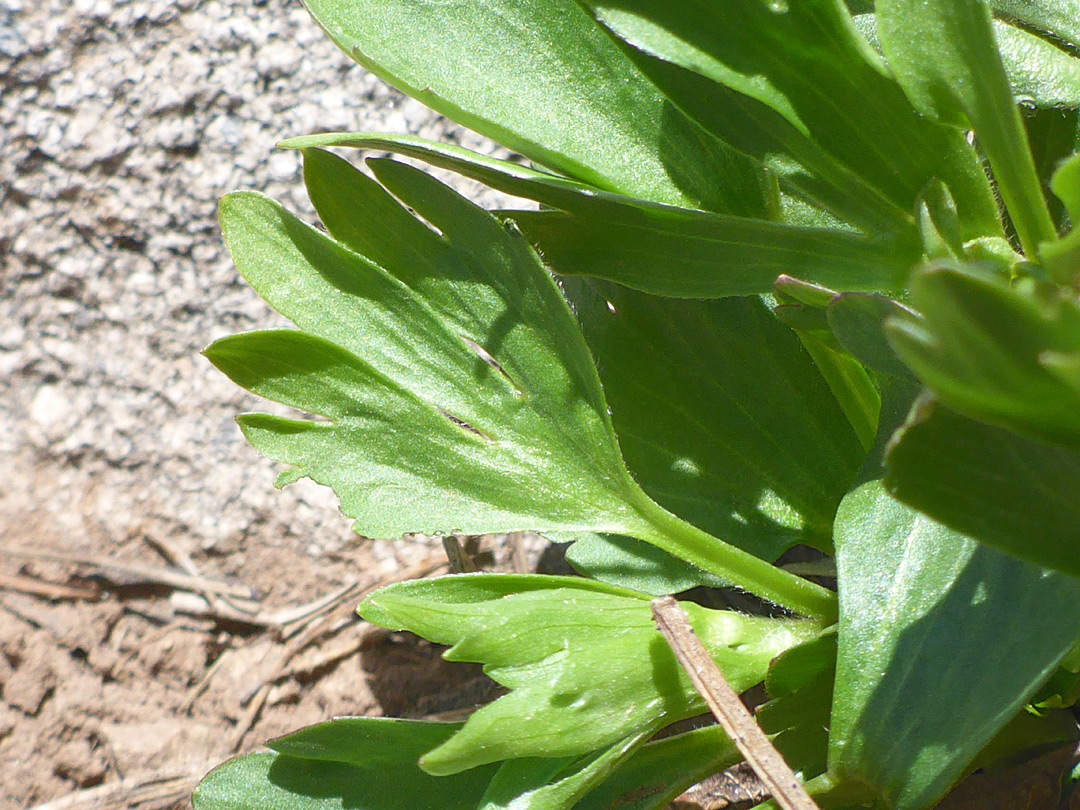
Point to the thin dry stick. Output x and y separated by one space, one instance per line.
141 573
49 590
728 710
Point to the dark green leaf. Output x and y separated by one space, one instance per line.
805 61
585 668
633 564
650 247
941 641
1062 256
818 181
944 54
1013 493
539 77
1054 135
858 322
1006 355
343 765
476 407
722 416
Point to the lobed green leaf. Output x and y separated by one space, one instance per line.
586 669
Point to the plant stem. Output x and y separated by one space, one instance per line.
675 536
724 703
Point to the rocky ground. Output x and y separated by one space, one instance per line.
121 124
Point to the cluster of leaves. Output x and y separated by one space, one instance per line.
816 286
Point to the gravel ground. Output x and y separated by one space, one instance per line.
121 124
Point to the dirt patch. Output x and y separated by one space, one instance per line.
121 124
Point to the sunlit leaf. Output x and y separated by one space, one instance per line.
539 77
460 394
572 658
945 56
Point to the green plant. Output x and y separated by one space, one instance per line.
813 291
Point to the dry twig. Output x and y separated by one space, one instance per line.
129 572
49 590
774 773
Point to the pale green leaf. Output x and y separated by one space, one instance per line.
1006 355
573 659
941 641
1062 256
475 407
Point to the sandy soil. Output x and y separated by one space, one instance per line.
121 124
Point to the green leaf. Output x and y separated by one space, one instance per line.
1005 355
1061 18
586 669
555 784
1062 256
941 641
1054 135
633 564
807 175
650 247
722 416
1012 493
476 407
944 54
1039 72
858 322
693 255
805 61
539 77
343 765
658 772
